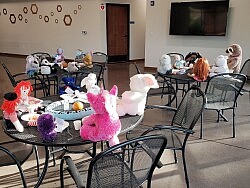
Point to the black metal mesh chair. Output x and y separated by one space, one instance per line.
165 90
186 116
101 59
245 69
128 164
222 91
36 82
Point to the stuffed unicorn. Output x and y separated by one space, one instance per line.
104 124
133 102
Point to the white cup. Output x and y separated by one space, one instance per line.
77 124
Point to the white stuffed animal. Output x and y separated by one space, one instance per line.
165 66
133 102
90 83
72 67
220 66
32 65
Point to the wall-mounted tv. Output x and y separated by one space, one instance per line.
203 18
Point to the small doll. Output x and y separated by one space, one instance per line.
178 63
46 127
59 57
200 70
32 65
9 108
191 58
88 60
23 91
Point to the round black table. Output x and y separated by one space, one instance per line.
69 137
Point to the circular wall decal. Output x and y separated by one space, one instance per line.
59 8
75 11
52 13
5 11
25 10
67 20
40 16
12 18
56 20
79 7
34 8
46 18
20 17
26 20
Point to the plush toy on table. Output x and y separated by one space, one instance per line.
178 63
59 57
46 127
220 66
165 66
191 59
90 82
68 82
23 90
72 67
200 70
88 60
133 102
104 124
32 65
9 108
234 58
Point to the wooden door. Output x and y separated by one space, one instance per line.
117 16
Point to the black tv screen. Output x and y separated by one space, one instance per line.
204 18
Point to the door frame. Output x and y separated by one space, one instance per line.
128 29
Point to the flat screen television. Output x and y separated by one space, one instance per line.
203 18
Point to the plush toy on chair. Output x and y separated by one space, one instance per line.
133 102
234 58
104 124
32 65
165 66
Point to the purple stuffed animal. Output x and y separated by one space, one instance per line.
46 127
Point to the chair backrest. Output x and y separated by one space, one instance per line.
12 160
10 76
100 57
43 55
245 69
225 88
128 164
172 56
190 108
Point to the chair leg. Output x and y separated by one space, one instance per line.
201 129
185 168
175 156
233 123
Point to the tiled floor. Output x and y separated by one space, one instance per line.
216 161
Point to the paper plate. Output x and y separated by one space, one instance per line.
30 117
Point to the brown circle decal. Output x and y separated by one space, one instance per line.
34 8
59 8
46 18
12 18
20 17
67 20
5 12
25 10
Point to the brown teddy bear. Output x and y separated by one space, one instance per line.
234 58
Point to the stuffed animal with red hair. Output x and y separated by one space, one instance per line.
234 58
200 70
104 124
23 91
9 108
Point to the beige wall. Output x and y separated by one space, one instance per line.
36 35
158 41
149 35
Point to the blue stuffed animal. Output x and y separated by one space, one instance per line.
69 82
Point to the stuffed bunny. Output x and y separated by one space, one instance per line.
32 65
165 66
104 124
90 83
133 102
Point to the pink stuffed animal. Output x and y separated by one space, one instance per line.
104 124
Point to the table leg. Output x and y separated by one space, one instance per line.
45 167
